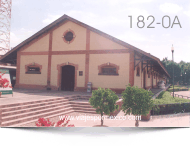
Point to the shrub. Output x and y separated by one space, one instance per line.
136 101
166 104
166 98
104 100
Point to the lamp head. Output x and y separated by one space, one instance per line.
172 49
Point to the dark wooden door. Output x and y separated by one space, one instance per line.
68 78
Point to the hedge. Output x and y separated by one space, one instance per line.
166 104
173 108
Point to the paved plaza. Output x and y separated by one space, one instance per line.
175 120
27 95
20 96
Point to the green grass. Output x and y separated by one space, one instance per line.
176 88
166 98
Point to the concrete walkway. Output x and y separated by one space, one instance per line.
33 95
27 95
184 93
124 121
157 91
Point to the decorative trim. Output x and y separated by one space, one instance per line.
59 66
49 60
34 53
29 86
18 68
78 52
108 74
74 36
110 65
82 89
109 51
87 59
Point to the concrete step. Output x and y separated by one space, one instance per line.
81 105
32 102
33 109
31 105
78 98
50 116
22 115
36 116
85 111
82 108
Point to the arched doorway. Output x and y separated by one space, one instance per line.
68 78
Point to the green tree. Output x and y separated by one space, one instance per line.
181 71
104 100
136 101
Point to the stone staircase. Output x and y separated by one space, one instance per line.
21 113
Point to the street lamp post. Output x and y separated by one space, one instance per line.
172 49
181 80
185 78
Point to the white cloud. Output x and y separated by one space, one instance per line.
135 12
20 35
50 19
170 8
187 13
166 35
96 20
140 1
133 36
119 2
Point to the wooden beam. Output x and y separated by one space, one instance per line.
139 61
134 59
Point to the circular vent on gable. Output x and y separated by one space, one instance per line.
68 36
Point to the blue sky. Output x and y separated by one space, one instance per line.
111 16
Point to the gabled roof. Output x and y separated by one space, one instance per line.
64 18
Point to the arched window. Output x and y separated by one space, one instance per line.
33 68
108 69
138 71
